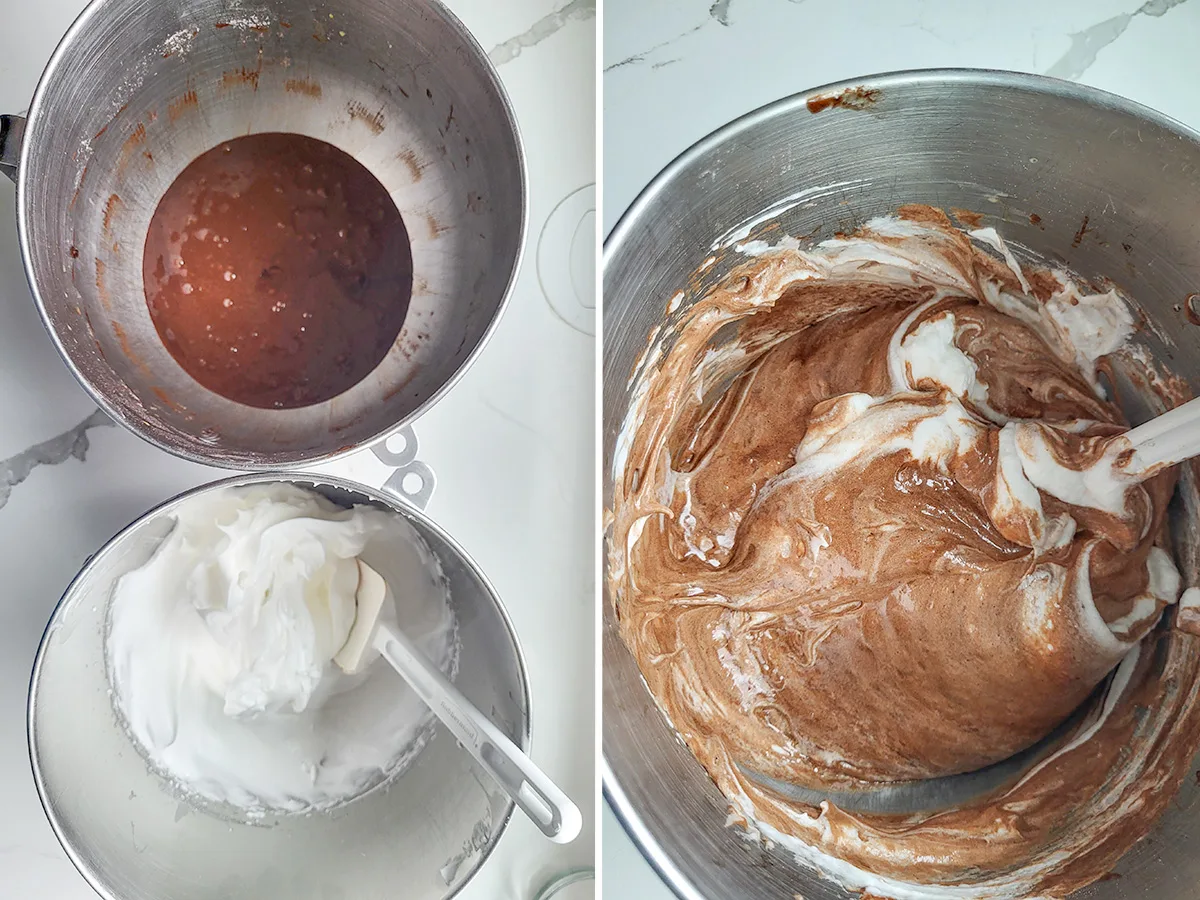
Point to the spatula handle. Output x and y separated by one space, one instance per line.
537 796
1167 439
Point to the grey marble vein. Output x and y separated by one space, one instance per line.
1087 44
542 29
720 11
72 444
641 55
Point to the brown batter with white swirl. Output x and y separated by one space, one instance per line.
832 568
277 270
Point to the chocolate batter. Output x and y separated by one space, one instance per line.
853 543
277 270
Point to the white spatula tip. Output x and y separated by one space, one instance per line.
369 600
572 824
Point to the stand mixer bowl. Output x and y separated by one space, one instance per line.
421 834
137 89
1070 175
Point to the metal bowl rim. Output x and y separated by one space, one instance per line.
89 873
618 800
60 57
998 78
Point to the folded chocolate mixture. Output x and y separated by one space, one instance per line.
870 524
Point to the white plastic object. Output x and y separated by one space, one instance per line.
1165 440
537 796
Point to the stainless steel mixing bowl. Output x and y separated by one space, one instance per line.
420 836
139 88
1074 175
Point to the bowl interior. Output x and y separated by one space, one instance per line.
1071 176
139 88
428 829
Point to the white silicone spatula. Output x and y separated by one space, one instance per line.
537 796
1165 440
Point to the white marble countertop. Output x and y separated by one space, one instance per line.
518 430
675 70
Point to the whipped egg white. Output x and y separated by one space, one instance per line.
220 648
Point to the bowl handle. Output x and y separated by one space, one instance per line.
12 130
417 489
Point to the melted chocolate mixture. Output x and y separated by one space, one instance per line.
277 270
